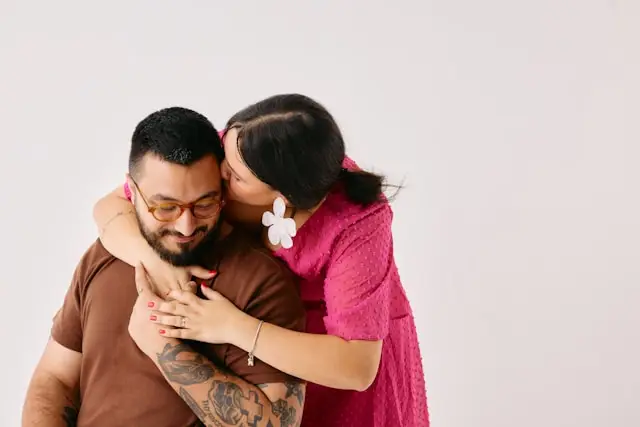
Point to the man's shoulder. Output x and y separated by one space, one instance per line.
247 252
95 259
249 275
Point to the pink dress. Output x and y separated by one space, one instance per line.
351 288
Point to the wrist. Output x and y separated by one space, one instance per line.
243 333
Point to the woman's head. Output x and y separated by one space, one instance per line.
290 146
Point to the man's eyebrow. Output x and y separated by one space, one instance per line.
165 198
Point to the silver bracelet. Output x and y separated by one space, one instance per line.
250 361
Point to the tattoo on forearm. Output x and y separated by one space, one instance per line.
191 368
231 405
294 389
211 416
284 412
70 416
226 403
195 408
200 411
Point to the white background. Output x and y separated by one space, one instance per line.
514 124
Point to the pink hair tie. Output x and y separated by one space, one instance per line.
221 134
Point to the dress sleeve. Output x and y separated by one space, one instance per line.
359 276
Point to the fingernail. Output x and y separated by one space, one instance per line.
153 317
162 331
213 272
150 304
205 284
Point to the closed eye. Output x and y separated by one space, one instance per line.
166 208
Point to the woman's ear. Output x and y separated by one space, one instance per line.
286 201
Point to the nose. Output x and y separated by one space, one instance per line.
186 224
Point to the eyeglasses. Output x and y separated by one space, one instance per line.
168 212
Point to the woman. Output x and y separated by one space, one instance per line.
332 226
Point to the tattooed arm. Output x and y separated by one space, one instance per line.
222 399
52 394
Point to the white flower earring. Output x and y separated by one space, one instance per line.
281 229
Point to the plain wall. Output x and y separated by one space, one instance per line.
514 125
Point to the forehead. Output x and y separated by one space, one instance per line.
185 183
232 155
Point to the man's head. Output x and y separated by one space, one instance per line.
174 175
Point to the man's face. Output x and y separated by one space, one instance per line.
166 187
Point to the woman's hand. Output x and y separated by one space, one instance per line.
144 333
167 277
190 317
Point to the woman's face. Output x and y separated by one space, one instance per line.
241 184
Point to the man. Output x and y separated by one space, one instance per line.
106 363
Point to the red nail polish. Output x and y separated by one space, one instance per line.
153 317
205 284
150 304
213 272
162 331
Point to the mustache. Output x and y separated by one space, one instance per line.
200 230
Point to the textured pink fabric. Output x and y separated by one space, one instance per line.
351 288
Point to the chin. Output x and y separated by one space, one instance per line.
173 250
180 248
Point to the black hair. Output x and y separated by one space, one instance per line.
176 135
293 144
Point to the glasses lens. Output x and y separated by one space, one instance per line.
206 209
166 212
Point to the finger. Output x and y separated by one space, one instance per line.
185 334
201 272
190 287
183 297
171 307
175 321
211 294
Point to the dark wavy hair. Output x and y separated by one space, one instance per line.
293 144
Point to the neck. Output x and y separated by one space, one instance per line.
225 230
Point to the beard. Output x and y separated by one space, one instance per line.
188 253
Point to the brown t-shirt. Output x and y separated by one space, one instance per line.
120 385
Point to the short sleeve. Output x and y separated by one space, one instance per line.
358 280
276 300
67 323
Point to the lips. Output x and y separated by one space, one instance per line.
184 239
